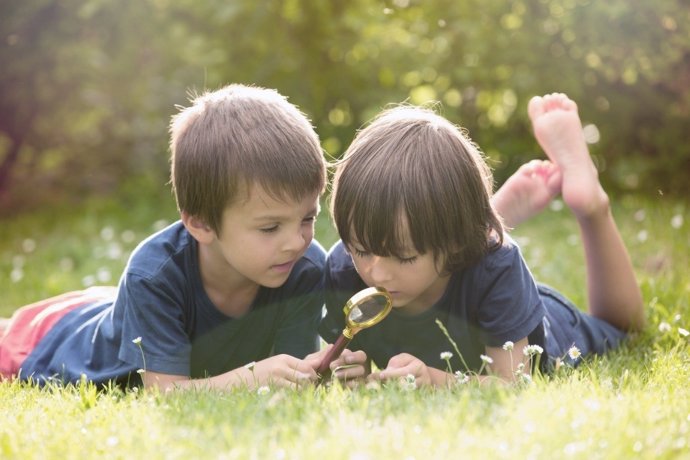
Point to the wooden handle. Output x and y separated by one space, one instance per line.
324 369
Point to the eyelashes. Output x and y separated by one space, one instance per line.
402 260
273 228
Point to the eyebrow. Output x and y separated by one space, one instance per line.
273 217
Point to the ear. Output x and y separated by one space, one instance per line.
199 230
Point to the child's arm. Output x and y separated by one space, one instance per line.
508 363
403 365
279 370
503 365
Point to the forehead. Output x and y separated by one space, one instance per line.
395 238
255 199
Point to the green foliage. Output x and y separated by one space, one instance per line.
87 86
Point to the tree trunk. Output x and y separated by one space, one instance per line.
8 164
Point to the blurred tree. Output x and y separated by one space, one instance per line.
87 86
82 94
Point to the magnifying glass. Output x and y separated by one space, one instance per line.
363 310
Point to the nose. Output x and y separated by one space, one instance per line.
378 270
297 240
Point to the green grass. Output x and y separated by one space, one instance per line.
632 403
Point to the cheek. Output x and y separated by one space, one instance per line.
309 234
360 265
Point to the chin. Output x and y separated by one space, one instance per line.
274 282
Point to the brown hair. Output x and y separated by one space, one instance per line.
237 136
413 166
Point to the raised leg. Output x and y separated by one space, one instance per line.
613 292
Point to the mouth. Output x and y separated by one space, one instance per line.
394 294
284 267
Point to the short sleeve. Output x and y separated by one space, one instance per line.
511 307
152 311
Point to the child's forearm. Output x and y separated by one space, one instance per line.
226 381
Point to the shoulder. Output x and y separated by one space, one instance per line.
315 256
501 275
312 262
506 256
168 247
339 262
338 259
340 273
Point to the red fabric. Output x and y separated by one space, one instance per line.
32 322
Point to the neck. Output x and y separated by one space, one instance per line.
231 292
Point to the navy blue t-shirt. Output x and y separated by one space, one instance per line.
161 299
488 304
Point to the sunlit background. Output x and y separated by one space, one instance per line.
87 87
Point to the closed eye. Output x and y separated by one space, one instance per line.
270 229
359 252
407 260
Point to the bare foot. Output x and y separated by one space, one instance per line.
558 130
527 192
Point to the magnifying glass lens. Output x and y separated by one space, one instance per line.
368 309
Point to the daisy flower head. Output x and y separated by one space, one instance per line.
263 390
526 378
461 378
531 350
574 353
409 382
446 355
508 346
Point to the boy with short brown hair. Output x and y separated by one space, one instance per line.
229 295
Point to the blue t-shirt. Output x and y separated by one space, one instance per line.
161 299
487 304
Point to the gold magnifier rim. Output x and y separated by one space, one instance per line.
360 297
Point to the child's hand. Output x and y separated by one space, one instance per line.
402 365
350 367
281 370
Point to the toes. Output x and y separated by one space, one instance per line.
557 101
535 107
540 105
552 101
538 168
531 166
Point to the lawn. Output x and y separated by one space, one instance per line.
632 403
